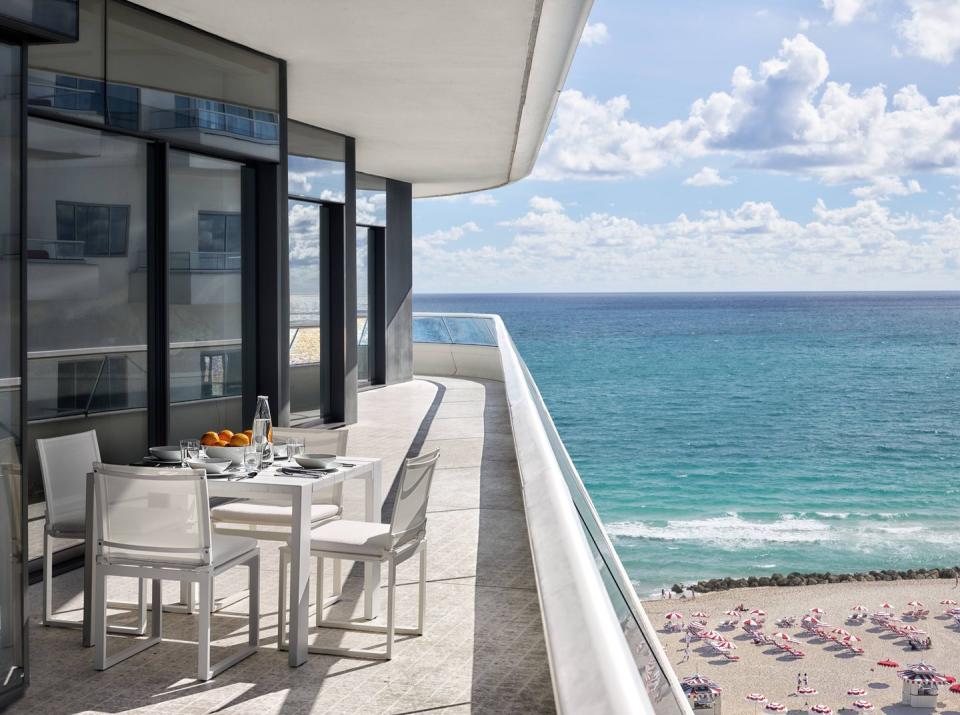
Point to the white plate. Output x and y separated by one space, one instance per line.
316 461
166 454
151 459
211 466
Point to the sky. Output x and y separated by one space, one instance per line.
719 146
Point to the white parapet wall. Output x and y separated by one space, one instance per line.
604 655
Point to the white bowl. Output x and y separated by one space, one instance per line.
212 466
166 454
316 461
234 454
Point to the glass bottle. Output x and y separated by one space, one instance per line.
263 413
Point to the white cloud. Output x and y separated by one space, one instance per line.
864 245
708 176
785 117
846 11
933 29
594 33
444 236
483 199
545 204
886 186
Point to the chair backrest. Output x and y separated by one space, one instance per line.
409 521
64 464
318 441
152 515
321 441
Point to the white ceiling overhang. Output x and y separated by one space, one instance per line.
450 95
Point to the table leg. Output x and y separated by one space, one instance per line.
371 569
300 575
89 582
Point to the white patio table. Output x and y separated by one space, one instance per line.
299 490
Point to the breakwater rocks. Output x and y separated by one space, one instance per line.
810 579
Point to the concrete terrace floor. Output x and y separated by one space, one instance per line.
483 648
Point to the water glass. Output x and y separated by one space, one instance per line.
251 458
189 450
281 448
295 447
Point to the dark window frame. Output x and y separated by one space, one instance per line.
111 209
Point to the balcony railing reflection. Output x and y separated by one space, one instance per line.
197 261
42 249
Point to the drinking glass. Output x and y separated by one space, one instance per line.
251 458
281 448
189 450
295 447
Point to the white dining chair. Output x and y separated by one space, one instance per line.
155 523
404 537
65 463
272 520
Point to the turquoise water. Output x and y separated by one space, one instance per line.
747 434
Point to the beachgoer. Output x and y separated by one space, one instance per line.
805 681
686 653
663 594
799 681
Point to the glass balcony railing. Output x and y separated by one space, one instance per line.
454 330
39 249
197 261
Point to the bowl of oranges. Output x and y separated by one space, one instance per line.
227 445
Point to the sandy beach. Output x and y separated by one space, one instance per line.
829 668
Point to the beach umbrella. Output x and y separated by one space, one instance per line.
782 636
721 643
888 664
950 679
806 690
674 616
775 707
822 709
840 631
852 639
915 604
818 611
922 674
863 705
758 612
948 602
756 697
712 636
750 623
955 688
856 692
699 614
731 613
886 604
859 608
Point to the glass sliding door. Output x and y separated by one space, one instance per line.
364 357
11 534
86 278
204 294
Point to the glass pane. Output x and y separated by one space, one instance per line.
192 86
308 387
470 331
11 543
206 374
69 77
430 330
371 200
87 206
59 16
316 163
363 296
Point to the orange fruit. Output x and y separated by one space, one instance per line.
223 443
225 435
210 439
239 440
249 433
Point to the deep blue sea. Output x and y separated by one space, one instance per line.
747 434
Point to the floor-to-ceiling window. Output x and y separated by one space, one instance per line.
204 295
317 186
363 304
86 282
371 219
11 542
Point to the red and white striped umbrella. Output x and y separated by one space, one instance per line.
806 690
674 616
758 612
886 604
750 623
863 705
699 614
756 697
780 635
840 631
775 707
852 639
822 709
915 604
948 602
722 643
859 608
712 636
856 692
731 613
817 610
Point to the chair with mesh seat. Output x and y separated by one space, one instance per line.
404 537
64 464
155 523
272 519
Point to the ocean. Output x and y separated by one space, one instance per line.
752 434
